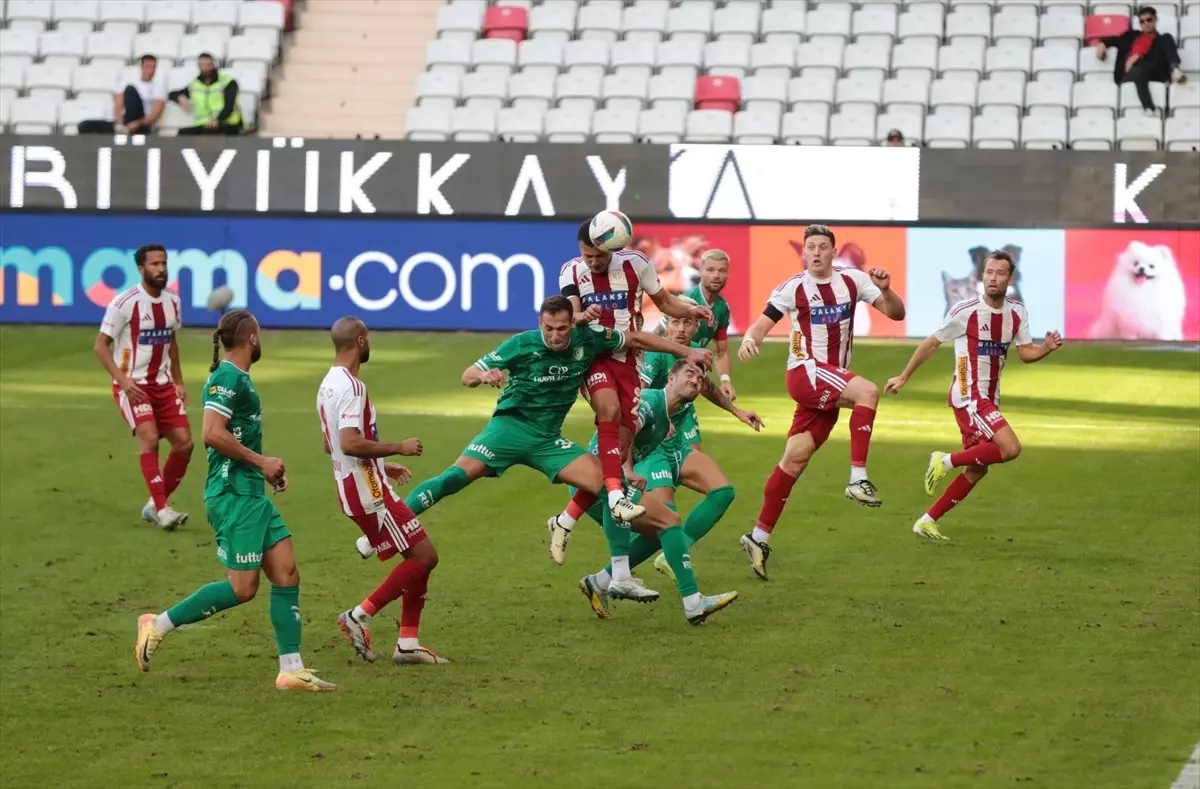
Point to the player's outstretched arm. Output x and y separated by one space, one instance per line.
216 435
356 445
670 305
757 333
1032 352
474 376
644 341
721 400
919 357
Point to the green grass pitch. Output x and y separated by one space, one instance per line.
1054 643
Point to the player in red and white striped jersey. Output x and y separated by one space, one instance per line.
147 380
982 330
606 289
349 426
820 304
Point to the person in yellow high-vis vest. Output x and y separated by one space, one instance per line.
212 99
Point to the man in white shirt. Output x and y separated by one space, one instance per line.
137 104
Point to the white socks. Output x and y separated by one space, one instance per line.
566 521
946 462
408 643
857 474
926 519
620 568
603 579
290 663
163 623
758 535
360 616
614 496
691 602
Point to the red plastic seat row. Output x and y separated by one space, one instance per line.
510 22
718 93
1107 26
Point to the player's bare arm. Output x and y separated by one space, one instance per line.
721 400
103 350
473 377
725 369
919 357
645 341
356 445
888 302
1035 352
217 436
177 371
670 305
579 315
757 333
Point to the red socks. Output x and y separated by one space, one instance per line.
406 577
862 420
154 479
609 440
173 471
412 606
985 454
954 493
580 503
775 496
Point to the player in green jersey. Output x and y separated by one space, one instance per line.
545 369
714 274
251 536
689 465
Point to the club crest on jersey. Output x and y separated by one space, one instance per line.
992 348
577 354
607 300
833 313
155 336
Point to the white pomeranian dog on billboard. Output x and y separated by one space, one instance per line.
1145 297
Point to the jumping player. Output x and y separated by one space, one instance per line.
546 367
348 424
714 274
680 454
251 536
148 381
606 289
982 330
820 305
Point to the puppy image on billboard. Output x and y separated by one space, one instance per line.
1145 298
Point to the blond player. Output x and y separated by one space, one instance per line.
982 330
137 346
348 423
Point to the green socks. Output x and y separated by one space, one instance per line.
706 514
203 603
617 534
675 547
642 547
433 490
285 618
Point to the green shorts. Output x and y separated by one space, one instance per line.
246 526
661 468
510 441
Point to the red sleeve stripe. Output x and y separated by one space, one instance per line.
964 305
355 384
124 297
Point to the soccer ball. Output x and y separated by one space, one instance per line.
611 230
220 298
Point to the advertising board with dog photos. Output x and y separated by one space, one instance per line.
452 274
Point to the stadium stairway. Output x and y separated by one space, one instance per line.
352 68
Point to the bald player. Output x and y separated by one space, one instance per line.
348 422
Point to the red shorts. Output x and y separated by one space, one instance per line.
978 422
620 377
392 530
161 406
816 400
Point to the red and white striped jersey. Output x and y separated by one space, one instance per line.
342 402
822 314
618 292
981 338
142 327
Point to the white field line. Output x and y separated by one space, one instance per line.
484 412
1189 776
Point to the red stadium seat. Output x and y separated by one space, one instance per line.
1098 27
718 93
503 21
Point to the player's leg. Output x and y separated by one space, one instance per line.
180 440
702 474
862 396
171 423
955 492
581 502
602 389
464 471
235 536
279 565
987 440
641 548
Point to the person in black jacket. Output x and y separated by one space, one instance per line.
1143 57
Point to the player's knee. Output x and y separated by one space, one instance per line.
723 496
184 447
608 412
427 555
975 473
244 587
1010 449
869 394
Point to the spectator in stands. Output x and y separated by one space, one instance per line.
137 105
212 99
895 139
1143 57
